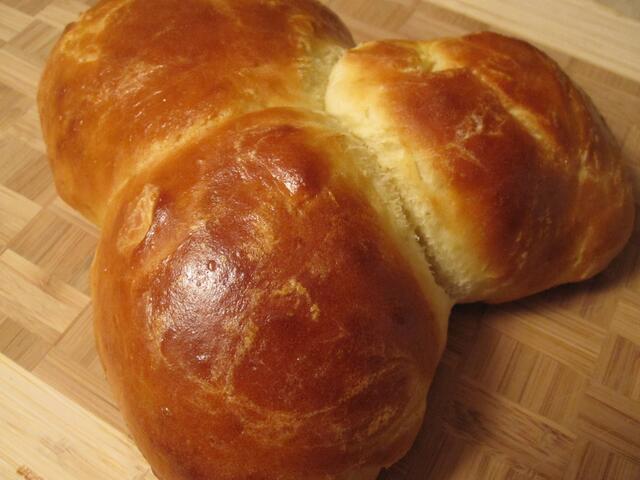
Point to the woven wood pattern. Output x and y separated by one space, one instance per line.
544 388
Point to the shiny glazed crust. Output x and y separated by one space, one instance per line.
135 78
255 314
266 291
510 175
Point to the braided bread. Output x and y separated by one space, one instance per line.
288 219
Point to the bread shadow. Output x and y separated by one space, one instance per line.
475 427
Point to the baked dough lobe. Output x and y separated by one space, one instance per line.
511 178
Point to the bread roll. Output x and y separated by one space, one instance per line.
275 274
509 175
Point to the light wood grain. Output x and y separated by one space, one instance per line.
545 388
628 8
47 433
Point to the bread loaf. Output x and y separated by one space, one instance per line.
287 220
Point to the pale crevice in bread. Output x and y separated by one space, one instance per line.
440 250
390 204
415 211
322 59
404 177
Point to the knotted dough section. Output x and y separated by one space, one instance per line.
257 296
510 177
134 80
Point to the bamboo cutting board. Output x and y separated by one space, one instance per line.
544 388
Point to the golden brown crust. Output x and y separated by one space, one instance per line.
256 316
132 79
514 180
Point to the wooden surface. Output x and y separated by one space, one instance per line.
545 388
